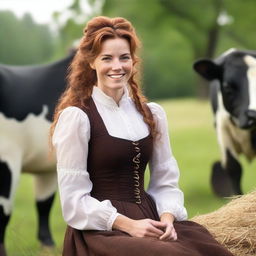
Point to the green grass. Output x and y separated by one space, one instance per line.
195 147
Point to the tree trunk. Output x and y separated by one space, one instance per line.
211 45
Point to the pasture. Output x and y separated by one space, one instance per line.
195 147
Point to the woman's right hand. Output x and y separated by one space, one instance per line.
147 228
140 228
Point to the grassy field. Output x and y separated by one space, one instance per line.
194 145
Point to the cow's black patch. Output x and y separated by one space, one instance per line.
43 209
5 180
227 75
225 180
25 90
214 89
4 219
253 139
220 181
234 170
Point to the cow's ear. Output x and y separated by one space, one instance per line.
207 69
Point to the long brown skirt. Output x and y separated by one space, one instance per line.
193 239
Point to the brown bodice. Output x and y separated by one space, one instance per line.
116 166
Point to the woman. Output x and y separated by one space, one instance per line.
105 133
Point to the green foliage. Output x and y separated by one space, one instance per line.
174 34
242 26
72 30
167 65
182 31
23 41
194 145
166 55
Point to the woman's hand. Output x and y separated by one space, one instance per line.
147 228
170 233
140 228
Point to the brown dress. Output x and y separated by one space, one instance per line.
116 167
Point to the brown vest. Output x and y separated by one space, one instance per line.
116 166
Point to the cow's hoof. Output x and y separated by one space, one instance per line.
221 182
46 241
2 250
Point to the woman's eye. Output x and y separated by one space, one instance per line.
125 57
106 58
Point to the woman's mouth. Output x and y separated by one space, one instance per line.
116 76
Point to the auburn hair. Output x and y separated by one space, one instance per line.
81 77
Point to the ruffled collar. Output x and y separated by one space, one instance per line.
101 97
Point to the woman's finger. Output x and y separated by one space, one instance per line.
156 231
158 224
152 234
174 234
167 233
170 233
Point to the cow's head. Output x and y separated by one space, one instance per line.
236 73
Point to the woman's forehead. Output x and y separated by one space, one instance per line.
115 45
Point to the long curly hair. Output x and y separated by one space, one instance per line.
81 77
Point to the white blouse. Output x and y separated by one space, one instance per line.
70 139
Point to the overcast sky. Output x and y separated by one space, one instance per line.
41 10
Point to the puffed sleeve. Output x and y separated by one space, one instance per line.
80 210
164 171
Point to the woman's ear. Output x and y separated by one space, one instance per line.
92 65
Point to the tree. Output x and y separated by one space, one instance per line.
175 33
23 41
166 53
205 23
72 29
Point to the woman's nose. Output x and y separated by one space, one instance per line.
116 65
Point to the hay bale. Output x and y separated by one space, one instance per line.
234 225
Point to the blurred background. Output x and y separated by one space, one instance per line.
174 33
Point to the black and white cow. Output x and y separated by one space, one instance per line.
28 95
232 79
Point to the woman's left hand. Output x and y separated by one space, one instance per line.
170 233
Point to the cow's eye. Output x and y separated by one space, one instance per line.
229 86
230 90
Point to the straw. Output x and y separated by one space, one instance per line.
234 225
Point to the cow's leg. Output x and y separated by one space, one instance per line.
234 171
226 176
45 184
5 190
9 176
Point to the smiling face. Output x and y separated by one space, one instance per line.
113 66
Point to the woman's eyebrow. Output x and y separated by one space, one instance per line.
108 55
